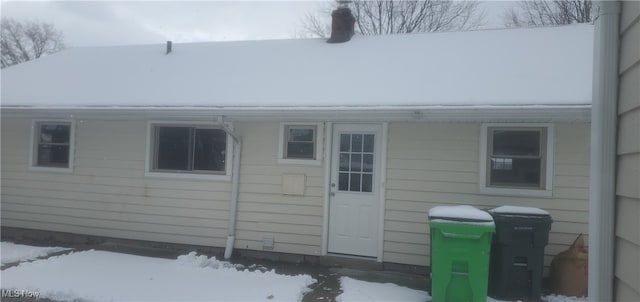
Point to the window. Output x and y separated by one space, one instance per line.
188 149
517 159
356 162
52 145
300 143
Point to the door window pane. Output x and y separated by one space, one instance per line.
355 162
345 142
354 182
344 161
356 142
368 143
343 182
367 163
367 182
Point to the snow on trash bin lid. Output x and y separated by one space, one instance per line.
461 214
518 210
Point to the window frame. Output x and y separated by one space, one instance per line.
151 152
318 143
33 152
547 141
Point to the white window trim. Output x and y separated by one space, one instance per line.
547 191
186 175
319 145
33 145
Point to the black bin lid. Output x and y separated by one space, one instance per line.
510 211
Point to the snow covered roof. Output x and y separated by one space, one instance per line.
549 66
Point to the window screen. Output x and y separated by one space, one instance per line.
300 142
53 142
516 157
189 149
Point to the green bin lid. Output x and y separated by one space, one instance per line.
459 214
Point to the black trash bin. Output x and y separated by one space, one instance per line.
517 252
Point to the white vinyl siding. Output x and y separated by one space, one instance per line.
427 165
627 241
107 193
438 164
294 222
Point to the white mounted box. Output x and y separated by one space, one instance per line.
293 184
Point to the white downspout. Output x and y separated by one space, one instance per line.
233 207
603 153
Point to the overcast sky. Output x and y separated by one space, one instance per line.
92 23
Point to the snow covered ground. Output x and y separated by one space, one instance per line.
356 290
11 252
557 298
107 276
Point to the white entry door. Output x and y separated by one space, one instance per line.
354 202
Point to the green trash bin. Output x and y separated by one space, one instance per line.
460 249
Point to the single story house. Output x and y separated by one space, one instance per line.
300 146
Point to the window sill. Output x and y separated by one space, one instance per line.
204 177
50 169
516 192
305 162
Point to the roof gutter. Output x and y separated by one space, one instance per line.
603 153
559 113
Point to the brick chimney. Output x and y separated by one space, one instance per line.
342 25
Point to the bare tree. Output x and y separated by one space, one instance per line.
399 16
314 24
547 12
24 41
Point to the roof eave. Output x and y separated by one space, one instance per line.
482 113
